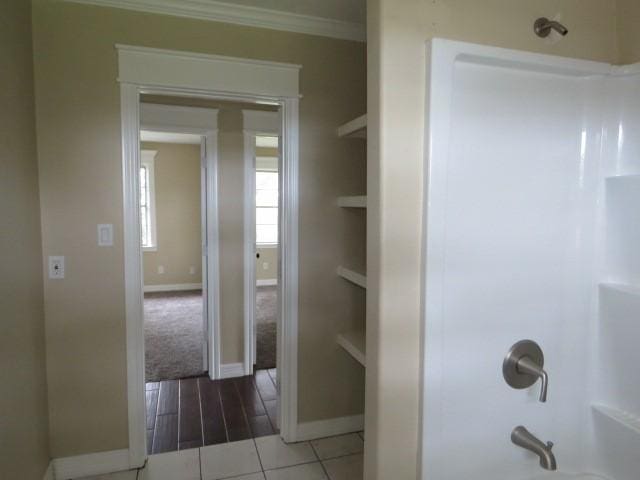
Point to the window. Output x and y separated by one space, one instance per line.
147 200
266 207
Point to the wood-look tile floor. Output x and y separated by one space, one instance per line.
194 412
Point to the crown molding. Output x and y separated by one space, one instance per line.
241 15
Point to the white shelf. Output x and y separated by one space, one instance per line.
353 277
621 417
359 201
356 128
355 344
623 288
623 178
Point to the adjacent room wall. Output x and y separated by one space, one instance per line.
78 113
178 222
267 264
397 32
231 233
628 31
24 424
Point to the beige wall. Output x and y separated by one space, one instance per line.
628 31
80 170
267 264
231 233
397 32
178 222
24 443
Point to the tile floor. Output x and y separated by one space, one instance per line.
264 458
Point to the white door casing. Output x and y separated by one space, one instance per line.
148 70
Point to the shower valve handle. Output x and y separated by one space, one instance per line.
523 366
528 366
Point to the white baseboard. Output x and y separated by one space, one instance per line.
48 475
91 464
267 283
176 287
230 370
330 427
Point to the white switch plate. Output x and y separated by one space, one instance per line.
160 269
105 235
265 265
56 267
192 270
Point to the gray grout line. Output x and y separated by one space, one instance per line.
320 461
255 444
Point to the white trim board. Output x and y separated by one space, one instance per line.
178 119
330 427
231 370
175 287
268 282
91 464
153 67
249 239
254 123
242 15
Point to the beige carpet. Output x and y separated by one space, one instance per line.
173 335
266 322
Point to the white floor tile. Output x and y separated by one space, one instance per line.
274 453
129 475
229 460
308 471
345 468
182 465
338 446
253 476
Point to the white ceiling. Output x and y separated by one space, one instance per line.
353 11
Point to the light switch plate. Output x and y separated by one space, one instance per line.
56 267
105 235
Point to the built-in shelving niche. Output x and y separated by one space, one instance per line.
355 201
356 128
622 258
616 406
353 342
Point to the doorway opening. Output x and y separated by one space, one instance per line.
171 210
144 72
266 227
189 209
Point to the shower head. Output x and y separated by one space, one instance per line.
543 27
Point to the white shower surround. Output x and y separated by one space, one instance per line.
531 230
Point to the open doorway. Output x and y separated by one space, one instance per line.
171 236
266 201
190 403
144 72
